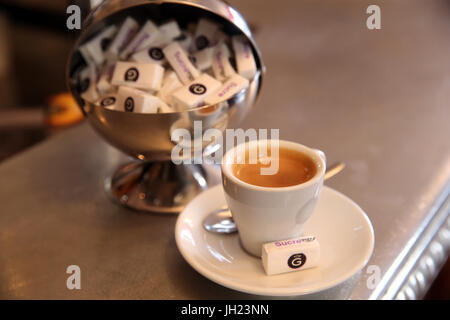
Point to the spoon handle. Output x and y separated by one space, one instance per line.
333 170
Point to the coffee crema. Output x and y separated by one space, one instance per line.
294 168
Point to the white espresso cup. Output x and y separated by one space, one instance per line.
266 214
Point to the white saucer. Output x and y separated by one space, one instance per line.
344 232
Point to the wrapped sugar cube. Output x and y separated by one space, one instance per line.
185 40
165 108
150 55
191 27
232 86
148 34
161 42
219 37
221 65
126 32
94 49
169 85
290 255
88 87
108 102
180 63
245 61
146 76
86 55
169 76
170 29
203 59
137 101
104 83
195 93
204 34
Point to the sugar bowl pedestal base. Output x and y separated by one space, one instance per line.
160 187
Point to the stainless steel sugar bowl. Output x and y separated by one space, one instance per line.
154 182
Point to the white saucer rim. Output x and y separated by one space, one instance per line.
278 292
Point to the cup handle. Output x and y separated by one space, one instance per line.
322 155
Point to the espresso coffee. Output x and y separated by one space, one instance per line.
294 168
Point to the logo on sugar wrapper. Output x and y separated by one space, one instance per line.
132 74
108 101
129 104
156 53
201 42
183 66
197 88
296 260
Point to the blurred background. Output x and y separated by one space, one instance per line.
34 46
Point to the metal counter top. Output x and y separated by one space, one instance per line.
377 100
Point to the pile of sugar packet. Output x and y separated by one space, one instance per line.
162 69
